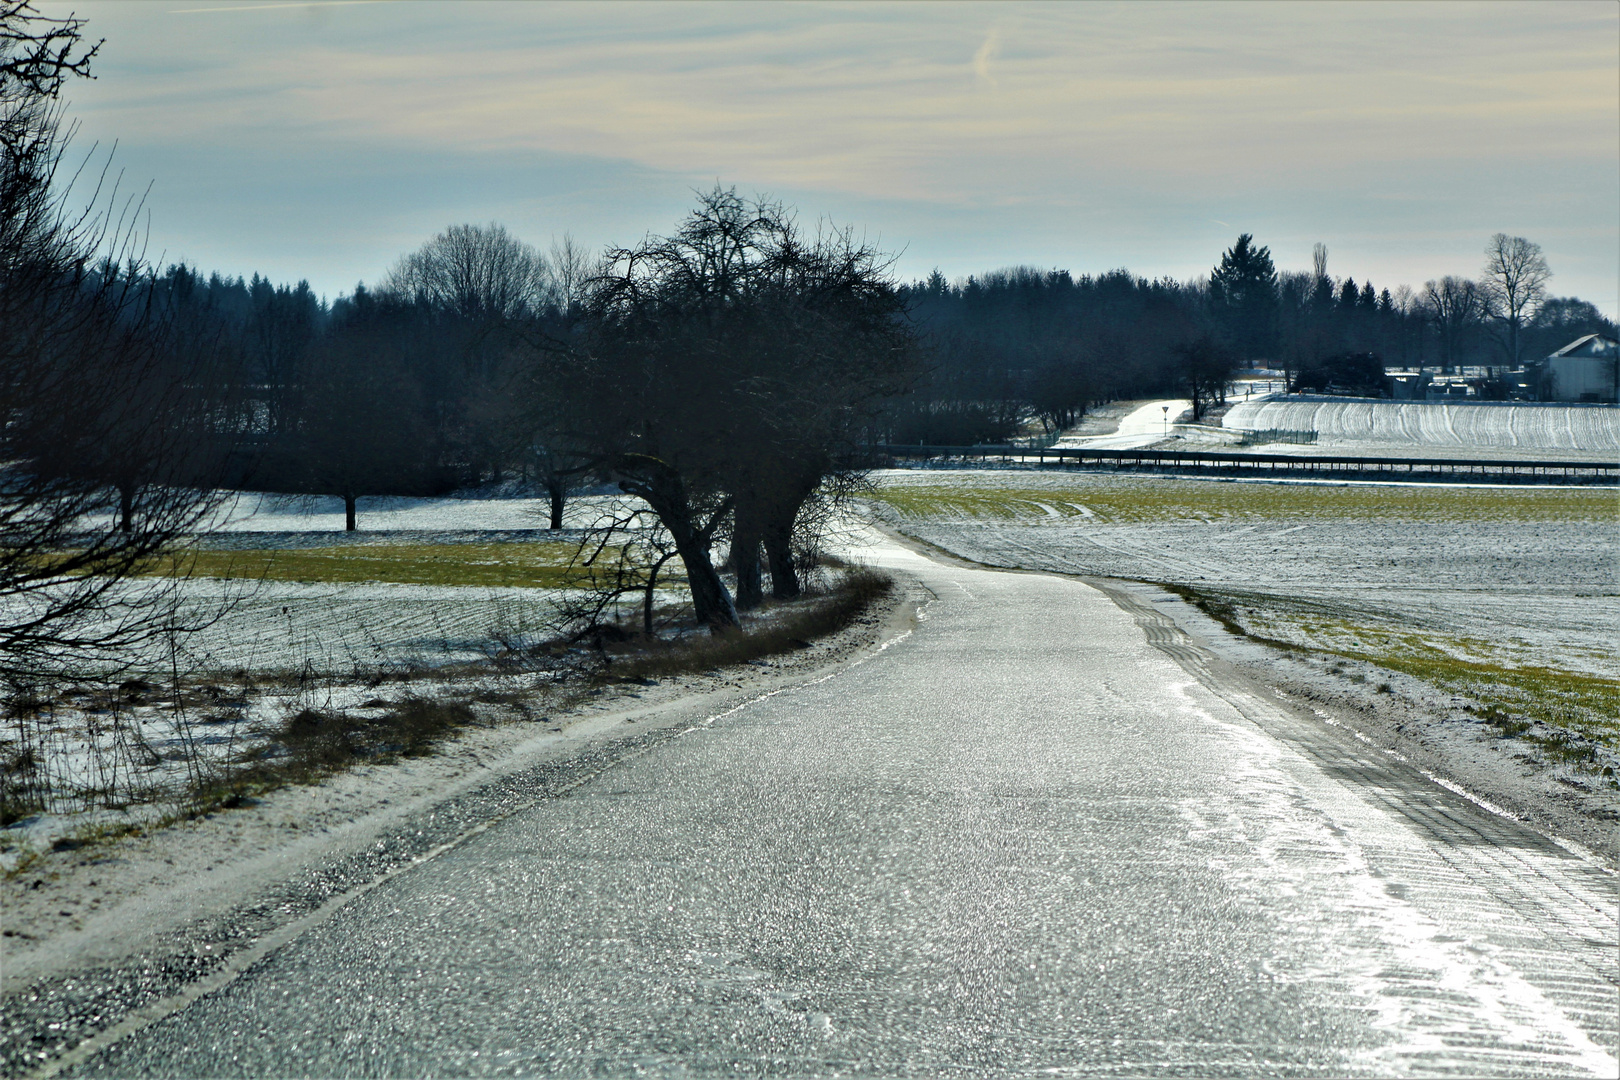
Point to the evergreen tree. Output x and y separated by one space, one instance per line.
1243 297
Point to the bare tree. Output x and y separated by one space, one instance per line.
1205 367
572 268
621 554
97 424
480 272
655 380
1513 286
361 430
1453 305
834 342
485 286
540 404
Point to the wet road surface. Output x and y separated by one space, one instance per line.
1039 834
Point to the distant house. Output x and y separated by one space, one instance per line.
1587 369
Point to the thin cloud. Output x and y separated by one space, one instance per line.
987 52
1497 117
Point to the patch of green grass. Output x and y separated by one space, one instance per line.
527 564
1587 704
1483 670
1121 499
922 502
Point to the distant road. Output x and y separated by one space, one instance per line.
1038 834
1141 427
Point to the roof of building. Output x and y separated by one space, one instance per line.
1592 345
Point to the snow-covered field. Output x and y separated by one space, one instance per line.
269 648
1352 424
331 628
1511 591
252 512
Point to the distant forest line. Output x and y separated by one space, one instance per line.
999 350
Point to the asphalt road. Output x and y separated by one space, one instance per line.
1040 834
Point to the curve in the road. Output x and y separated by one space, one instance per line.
1028 838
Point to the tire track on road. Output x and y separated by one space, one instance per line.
1563 897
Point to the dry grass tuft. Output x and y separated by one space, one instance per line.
314 744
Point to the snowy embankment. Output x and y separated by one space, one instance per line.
1582 429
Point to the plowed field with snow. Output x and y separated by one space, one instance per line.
1532 429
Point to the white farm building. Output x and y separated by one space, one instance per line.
1584 370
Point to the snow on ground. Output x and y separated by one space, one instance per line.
1462 428
330 628
255 512
1530 590
1459 598
268 649
1142 426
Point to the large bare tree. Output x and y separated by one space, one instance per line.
1453 305
722 373
1513 286
476 271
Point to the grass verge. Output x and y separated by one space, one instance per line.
1563 712
1140 500
807 620
537 564
313 744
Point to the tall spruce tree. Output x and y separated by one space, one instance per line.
1243 298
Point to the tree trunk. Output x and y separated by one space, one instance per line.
558 491
779 552
745 556
647 599
711 602
661 488
777 532
126 507
348 513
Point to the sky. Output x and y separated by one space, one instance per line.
322 141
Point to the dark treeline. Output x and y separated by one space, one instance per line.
446 374
427 382
375 393
1021 345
